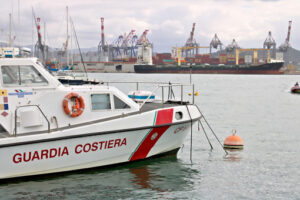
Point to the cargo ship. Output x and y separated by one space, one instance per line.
265 68
205 64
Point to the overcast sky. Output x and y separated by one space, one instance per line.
169 21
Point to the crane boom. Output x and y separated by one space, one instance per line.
38 27
190 40
289 32
127 38
143 38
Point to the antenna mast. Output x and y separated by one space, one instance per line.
67 36
9 37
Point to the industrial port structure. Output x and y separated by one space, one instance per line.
125 46
131 48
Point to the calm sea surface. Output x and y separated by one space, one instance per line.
259 107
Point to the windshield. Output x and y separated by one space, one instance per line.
21 75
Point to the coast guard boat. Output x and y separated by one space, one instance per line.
47 127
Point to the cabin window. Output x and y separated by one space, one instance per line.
119 104
22 75
100 101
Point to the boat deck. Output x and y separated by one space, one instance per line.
155 105
145 108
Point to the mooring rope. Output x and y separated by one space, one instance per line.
191 146
211 130
199 122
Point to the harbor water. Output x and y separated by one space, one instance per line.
259 107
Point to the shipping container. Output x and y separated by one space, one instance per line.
169 60
241 61
205 56
163 55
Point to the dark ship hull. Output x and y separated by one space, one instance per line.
265 68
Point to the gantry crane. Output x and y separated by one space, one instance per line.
269 43
231 47
39 46
215 43
284 47
191 42
143 40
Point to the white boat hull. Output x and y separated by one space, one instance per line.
47 127
90 151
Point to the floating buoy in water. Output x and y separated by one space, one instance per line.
233 142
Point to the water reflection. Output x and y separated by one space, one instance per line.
234 155
148 177
143 177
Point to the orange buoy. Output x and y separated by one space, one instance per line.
233 142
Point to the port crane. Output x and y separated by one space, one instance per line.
237 51
128 45
231 47
143 38
39 45
284 47
191 42
270 42
215 43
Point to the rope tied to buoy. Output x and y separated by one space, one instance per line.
210 130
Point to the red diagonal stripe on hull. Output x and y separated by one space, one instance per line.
163 117
148 143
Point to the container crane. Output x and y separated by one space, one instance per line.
127 38
215 43
116 46
131 48
39 45
126 44
231 47
143 38
269 43
284 47
191 42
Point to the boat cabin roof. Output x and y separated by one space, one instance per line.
25 72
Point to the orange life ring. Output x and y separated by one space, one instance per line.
77 107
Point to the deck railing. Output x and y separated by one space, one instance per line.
162 86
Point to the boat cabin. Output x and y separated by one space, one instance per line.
33 101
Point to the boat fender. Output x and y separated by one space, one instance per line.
78 107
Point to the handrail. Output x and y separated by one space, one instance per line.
136 82
162 85
170 85
30 106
